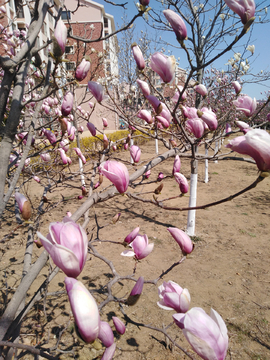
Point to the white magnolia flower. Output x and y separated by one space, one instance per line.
230 62
222 16
237 56
251 48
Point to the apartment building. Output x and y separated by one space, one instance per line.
18 17
88 20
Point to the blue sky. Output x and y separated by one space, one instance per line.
260 37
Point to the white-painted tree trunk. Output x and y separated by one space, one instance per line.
130 144
193 198
81 171
206 179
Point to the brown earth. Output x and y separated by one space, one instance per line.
228 270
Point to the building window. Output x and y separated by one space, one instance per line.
70 66
69 49
19 9
105 22
65 15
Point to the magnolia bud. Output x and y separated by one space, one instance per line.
159 189
136 292
116 218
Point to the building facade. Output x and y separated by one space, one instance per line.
18 17
89 21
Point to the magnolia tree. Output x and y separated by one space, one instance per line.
36 105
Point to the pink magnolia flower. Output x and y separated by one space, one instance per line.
105 122
164 122
210 118
3 9
165 112
105 141
91 128
164 66
182 239
243 126
119 325
45 157
237 87
105 334
135 153
24 205
138 287
36 178
200 89
64 144
228 129
71 131
244 9
131 236
84 309
177 94
182 181
96 90
176 164
177 23
160 176
69 160
195 126
67 245
117 173
136 291
144 87
147 174
140 247
109 352
189 112
60 34
155 103
246 104
138 56
146 116
82 70
67 104
79 153
173 297
206 334
256 143
50 136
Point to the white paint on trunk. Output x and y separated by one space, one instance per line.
130 144
192 203
81 171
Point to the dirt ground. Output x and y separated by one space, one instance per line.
228 270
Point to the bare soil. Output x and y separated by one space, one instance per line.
228 270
